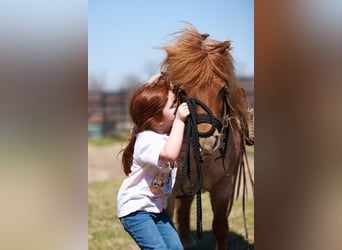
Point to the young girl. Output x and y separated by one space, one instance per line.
149 161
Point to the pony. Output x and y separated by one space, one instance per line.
201 69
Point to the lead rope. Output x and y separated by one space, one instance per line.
192 135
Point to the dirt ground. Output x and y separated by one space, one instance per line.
104 162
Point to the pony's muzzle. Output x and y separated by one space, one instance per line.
210 144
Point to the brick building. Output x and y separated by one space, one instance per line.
107 112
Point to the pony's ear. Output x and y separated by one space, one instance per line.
221 48
226 47
226 44
204 36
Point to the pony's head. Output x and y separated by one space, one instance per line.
203 69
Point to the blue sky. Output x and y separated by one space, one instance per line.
123 34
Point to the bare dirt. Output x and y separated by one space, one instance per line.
104 163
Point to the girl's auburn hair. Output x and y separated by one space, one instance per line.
146 111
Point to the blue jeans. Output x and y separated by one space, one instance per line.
152 230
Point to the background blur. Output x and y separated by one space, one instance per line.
43 133
43 100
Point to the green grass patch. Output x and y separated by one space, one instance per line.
250 149
106 232
115 137
104 228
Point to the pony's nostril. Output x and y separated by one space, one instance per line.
216 141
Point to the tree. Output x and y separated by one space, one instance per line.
129 82
95 84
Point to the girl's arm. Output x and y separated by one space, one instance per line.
173 145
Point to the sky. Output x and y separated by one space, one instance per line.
123 35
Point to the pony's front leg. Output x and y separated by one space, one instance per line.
220 229
219 198
183 206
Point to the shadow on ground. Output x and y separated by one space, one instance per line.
235 242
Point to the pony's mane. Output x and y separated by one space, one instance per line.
202 59
193 61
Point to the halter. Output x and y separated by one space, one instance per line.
192 136
192 133
221 125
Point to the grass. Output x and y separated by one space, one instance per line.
105 231
250 150
115 137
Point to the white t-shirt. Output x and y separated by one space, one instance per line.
150 182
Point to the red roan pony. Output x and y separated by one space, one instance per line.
201 70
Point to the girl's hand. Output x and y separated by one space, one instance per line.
182 111
173 145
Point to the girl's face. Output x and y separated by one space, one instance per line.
169 111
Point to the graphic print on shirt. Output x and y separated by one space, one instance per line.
160 183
